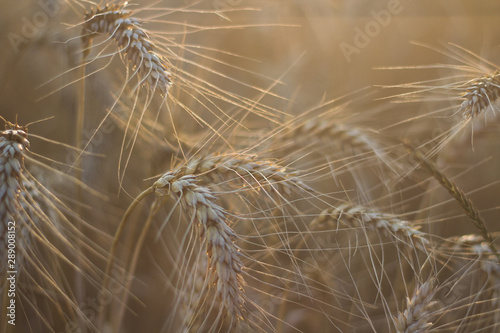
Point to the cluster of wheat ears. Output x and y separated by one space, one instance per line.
166 183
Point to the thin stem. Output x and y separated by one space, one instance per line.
80 120
114 246
133 264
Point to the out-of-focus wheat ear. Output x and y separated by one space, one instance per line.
347 137
261 174
133 40
225 264
488 263
467 205
356 216
350 139
419 312
480 94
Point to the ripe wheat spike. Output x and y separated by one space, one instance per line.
480 94
13 145
140 52
256 172
418 315
356 216
224 255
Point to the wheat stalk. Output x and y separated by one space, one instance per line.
417 317
133 40
224 255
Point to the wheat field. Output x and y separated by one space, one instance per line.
249 166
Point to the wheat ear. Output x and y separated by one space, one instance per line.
13 143
350 139
467 205
267 174
362 217
480 94
218 236
133 40
224 255
486 260
417 317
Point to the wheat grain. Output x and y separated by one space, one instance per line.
133 40
417 317
28 213
224 255
196 283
